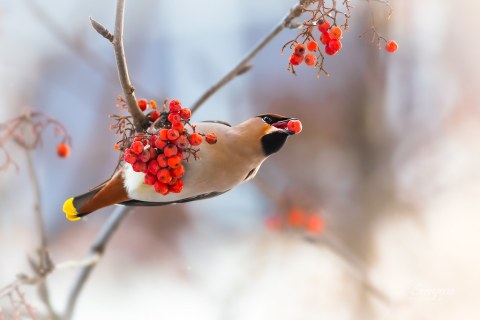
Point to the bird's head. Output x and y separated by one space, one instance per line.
271 129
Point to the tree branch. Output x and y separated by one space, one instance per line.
96 252
140 121
243 66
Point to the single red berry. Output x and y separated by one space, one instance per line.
329 51
162 161
161 188
150 179
142 104
154 115
211 138
179 127
296 218
195 139
139 166
129 156
310 59
170 150
295 126
173 134
137 147
160 144
324 26
63 150
153 138
177 187
174 161
335 45
153 104
299 49
153 166
391 46
312 45
177 172
116 146
325 38
163 134
145 155
296 59
335 33
174 117
164 176
315 224
153 153
175 106
182 142
185 114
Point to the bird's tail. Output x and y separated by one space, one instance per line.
111 192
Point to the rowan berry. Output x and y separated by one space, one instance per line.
329 51
177 187
170 150
335 33
142 104
63 150
312 45
160 144
211 138
185 114
150 179
391 46
325 38
296 218
324 26
335 45
310 59
162 161
295 126
296 59
164 176
116 146
177 172
161 188
163 134
129 156
182 142
154 115
179 127
153 104
139 166
173 134
145 155
137 147
153 167
299 49
174 161
174 118
195 139
175 106
153 138
314 224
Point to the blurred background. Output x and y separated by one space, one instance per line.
388 161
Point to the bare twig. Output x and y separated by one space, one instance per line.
139 119
243 66
96 252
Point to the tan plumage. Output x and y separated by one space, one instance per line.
235 158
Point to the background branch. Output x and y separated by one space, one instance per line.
243 66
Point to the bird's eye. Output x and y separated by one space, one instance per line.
267 119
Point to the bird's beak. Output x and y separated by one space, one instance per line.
283 125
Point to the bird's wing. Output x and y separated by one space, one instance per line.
153 204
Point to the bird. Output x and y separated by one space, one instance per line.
235 158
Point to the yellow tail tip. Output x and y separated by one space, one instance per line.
70 211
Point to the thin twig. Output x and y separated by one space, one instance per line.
139 119
96 252
243 66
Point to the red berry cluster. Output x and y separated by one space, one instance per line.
330 37
312 223
160 155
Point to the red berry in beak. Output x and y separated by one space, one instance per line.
295 126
